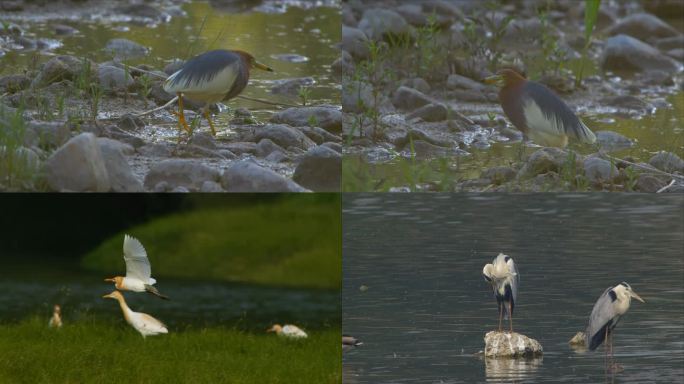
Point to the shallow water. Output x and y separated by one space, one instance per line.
308 33
32 289
414 294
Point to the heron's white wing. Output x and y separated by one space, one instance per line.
137 263
487 272
515 279
601 314
152 323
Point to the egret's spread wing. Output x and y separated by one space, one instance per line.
548 115
601 315
213 72
137 263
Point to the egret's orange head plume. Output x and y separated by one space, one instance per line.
275 328
114 295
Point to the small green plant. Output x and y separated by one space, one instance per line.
304 93
591 8
146 87
313 121
17 164
95 98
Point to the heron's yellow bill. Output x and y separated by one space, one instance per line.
263 67
634 295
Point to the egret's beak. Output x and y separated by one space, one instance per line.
263 67
111 279
107 296
496 79
634 295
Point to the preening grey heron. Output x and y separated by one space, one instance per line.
609 307
349 342
211 77
503 275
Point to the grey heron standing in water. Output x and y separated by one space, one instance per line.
503 276
609 307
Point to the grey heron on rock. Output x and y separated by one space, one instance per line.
607 311
212 77
502 274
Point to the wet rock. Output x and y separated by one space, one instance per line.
265 147
277 157
246 176
378 24
430 112
242 147
416 83
677 53
357 97
113 78
355 42
46 134
344 65
643 26
499 175
628 102
612 141
578 339
668 43
155 150
420 134
470 95
14 83
328 118
319 135
337 147
667 162
60 68
319 170
291 86
511 345
211 187
409 99
529 29
120 174
203 140
624 52
159 95
12 6
461 82
424 150
64 30
78 166
598 170
174 66
649 183
129 122
413 14
548 160
125 49
285 136
180 189
190 174
444 10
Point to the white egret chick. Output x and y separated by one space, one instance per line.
56 319
288 330
138 270
142 322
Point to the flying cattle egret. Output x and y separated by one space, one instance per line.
142 322
609 307
56 319
349 342
288 330
138 271
503 276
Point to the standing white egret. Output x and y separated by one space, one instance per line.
56 319
288 330
503 276
349 342
138 270
610 306
142 322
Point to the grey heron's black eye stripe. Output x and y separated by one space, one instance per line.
612 295
507 258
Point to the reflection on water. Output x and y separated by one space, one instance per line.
425 309
25 292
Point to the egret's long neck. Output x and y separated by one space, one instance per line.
124 308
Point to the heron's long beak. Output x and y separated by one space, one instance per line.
634 295
496 79
111 279
107 296
263 67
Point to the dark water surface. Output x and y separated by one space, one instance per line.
28 289
413 290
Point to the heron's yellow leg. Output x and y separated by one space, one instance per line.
208 117
181 115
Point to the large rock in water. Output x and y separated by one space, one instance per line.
78 166
507 344
624 52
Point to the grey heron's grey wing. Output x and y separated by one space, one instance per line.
207 73
601 315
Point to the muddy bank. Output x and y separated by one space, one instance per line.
417 115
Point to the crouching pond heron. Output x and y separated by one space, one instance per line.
537 112
503 276
610 306
213 76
